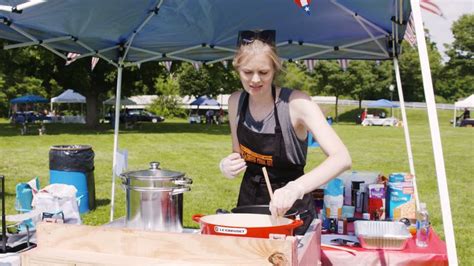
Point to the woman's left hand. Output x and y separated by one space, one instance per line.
285 197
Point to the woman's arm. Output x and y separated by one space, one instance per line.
307 116
233 164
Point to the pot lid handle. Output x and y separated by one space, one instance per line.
154 165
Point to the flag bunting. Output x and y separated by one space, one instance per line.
304 4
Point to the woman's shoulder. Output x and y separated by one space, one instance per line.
295 94
235 97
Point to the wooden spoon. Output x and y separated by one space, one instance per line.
274 220
267 180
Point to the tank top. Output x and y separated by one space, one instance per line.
296 149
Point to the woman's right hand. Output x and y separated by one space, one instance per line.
232 165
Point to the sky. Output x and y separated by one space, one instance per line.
440 28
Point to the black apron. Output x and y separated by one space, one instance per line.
266 149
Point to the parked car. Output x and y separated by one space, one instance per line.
142 115
137 115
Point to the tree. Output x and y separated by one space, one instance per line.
363 80
294 76
458 74
334 80
167 103
410 70
25 71
92 84
209 80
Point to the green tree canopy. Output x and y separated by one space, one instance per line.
457 78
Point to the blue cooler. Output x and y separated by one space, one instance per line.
74 165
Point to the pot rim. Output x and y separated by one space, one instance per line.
203 219
132 175
289 213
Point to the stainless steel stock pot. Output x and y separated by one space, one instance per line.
154 198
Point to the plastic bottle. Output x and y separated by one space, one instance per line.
422 226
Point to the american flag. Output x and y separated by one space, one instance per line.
343 63
71 57
304 4
429 6
94 62
410 36
310 63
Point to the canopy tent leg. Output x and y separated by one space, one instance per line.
405 128
435 134
454 118
116 130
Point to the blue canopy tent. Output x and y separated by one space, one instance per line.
130 32
205 100
382 103
29 99
22 116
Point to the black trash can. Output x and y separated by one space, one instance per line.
74 165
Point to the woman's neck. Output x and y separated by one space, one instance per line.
263 99
261 105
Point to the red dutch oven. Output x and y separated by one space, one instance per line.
246 225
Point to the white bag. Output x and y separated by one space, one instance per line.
56 198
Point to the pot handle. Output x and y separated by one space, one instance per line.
296 223
183 181
181 190
298 212
197 217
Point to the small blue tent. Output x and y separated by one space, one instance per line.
383 103
29 99
205 100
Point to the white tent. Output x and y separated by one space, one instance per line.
142 101
465 103
69 96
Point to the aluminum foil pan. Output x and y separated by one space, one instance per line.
382 235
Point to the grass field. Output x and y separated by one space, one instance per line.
197 150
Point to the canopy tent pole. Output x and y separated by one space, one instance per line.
116 130
405 129
435 134
454 118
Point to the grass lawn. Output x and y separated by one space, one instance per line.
197 150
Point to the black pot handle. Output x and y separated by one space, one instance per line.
221 211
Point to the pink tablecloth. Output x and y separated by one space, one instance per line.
435 254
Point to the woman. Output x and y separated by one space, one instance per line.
269 128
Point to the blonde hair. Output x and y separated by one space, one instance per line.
253 48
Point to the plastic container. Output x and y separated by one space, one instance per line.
382 235
74 165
